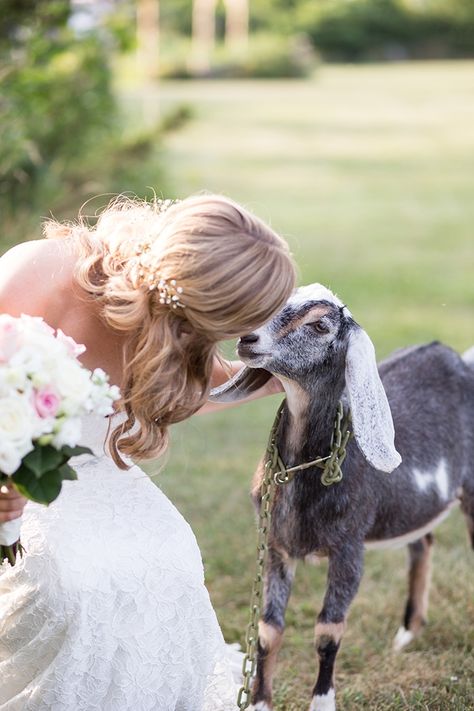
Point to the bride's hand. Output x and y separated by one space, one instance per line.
11 503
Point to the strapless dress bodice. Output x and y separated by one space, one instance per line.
96 431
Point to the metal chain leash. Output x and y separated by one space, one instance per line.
340 437
271 462
275 474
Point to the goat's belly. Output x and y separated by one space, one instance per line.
411 536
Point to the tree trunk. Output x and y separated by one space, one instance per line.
237 24
204 29
148 37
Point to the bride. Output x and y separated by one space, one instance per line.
108 611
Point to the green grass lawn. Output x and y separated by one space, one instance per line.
368 171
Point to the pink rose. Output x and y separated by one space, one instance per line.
73 348
46 402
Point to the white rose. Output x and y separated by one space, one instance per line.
10 459
45 375
16 379
42 426
73 383
17 419
28 359
69 432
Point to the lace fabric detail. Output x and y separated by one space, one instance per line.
108 610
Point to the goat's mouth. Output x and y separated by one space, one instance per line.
247 353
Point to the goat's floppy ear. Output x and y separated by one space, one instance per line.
246 381
371 416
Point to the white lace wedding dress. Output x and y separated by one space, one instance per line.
108 611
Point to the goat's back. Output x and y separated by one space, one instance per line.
431 393
429 386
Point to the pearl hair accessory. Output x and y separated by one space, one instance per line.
169 293
144 273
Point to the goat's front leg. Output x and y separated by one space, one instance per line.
344 574
279 576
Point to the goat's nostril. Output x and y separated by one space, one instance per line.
249 338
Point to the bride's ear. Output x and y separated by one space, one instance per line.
246 381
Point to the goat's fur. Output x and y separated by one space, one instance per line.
322 355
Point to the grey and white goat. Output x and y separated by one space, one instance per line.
322 355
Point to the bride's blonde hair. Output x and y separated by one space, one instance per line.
229 273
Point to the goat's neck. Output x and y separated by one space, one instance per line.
308 422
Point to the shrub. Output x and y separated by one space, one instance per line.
268 56
357 30
55 96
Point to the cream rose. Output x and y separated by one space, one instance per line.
10 460
74 384
16 427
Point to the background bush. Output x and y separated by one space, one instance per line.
63 136
267 57
355 30
55 100
352 30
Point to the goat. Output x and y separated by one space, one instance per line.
322 355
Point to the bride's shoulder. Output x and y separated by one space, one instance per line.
28 273
22 251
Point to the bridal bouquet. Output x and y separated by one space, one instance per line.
44 390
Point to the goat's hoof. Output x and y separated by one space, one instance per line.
402 639
324 702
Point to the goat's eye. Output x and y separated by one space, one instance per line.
319 327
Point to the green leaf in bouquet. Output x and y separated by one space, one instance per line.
75 451
43 490
42 459
67 472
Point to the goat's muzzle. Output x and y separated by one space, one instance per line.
247 346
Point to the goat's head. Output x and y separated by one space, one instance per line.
312 334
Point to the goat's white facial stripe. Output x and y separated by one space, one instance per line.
265 341
325 702
438 478
314 292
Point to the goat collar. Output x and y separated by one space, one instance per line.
331 465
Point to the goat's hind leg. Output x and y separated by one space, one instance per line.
344 574
419 576
279 576
467 507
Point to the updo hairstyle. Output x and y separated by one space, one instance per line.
233 272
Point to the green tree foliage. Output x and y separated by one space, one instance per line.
176 16
354 30
55 93
379 29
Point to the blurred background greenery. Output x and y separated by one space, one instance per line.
347 124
